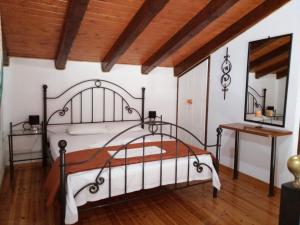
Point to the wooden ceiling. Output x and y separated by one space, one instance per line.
270 56
171 33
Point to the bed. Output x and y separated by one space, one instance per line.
127 153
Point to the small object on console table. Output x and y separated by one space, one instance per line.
258 113
289 205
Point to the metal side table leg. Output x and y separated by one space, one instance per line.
236 155
272 167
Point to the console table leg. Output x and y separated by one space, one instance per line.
272 167
236 155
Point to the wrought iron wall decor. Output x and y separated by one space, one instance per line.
226 78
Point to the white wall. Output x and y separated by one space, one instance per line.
254 150
24 79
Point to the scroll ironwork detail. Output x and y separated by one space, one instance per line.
226 78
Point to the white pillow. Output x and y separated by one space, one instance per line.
117 127
53 129
92 128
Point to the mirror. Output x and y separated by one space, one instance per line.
267 80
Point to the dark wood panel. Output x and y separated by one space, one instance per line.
210 13
77 9
135 27
260 12
240 202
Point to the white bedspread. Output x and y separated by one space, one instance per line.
134 171
134 180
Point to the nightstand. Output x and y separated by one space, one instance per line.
17 130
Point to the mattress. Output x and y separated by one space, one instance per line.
79 142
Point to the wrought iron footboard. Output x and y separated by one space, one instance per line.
155 128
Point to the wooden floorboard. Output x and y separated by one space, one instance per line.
242 201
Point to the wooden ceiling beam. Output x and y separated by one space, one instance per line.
136 26
282 73
75 14
261 44
269 56
5 51
272 68
260 12
199 22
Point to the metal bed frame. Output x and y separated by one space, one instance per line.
155 127
84 87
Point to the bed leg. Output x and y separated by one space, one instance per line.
215 192
217 163
143 108
62 150
44 127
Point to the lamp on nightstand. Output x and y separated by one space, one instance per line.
34 121
152 115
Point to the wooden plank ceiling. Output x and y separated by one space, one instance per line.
270 56
172 33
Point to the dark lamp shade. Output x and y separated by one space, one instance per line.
152 114
34 119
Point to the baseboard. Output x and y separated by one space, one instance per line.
247 178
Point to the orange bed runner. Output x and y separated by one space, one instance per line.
53 178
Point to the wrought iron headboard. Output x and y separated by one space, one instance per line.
121 102
255 100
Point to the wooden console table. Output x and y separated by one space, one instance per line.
265 132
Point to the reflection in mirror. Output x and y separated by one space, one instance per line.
267 80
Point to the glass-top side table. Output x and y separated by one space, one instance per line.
21 129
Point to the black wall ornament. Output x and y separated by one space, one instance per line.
225 78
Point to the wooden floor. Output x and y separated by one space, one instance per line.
243 201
